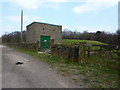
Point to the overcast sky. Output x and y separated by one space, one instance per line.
79 15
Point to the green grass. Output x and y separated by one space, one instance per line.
73 41
94 70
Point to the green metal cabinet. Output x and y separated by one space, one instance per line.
45 42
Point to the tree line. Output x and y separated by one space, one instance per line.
109 38
105 37
14 37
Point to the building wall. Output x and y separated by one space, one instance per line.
30 34
36 29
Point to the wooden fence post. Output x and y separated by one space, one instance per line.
88 52
100 49
81 51
84 49
76 52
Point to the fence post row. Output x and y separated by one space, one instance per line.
76 52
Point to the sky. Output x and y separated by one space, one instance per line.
75 15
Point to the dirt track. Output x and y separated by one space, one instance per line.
31 74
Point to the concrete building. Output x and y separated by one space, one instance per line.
44 33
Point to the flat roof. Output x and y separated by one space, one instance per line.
43 23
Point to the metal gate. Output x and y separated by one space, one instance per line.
44 42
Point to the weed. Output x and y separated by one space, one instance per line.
74 79
86 79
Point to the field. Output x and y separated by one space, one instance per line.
73 41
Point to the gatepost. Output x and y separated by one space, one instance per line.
81 51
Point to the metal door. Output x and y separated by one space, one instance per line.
44 42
